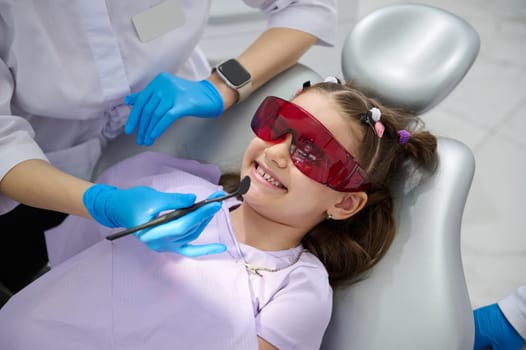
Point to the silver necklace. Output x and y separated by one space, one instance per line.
255 269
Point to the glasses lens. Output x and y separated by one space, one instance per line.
263 123
314 151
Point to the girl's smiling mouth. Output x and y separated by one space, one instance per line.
268 178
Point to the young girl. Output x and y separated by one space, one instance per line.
318 213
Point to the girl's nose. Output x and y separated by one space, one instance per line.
279 153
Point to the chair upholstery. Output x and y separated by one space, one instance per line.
409 55
413 55
416 297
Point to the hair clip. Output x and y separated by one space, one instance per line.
372 118
305 85
403 136
331 79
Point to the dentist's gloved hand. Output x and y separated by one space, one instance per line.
164 100
493 331
126 208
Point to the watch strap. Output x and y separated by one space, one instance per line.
244 91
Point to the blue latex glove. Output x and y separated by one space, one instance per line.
493 331
126 208
164 100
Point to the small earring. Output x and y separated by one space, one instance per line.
329 216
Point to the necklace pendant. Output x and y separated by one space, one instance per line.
255 269
252 269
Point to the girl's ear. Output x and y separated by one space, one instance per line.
350 204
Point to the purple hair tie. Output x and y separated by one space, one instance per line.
404 136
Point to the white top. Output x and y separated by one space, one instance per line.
122 295
514 308
65 68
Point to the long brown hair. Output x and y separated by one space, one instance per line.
350 247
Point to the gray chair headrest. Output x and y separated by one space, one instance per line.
409 55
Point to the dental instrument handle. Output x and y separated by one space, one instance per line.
242 189
157 221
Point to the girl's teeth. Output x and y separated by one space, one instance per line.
269 178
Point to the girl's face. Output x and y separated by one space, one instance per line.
278 189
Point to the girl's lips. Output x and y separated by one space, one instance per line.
265 176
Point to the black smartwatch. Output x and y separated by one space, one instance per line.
235 76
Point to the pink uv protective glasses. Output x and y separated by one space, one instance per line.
314 151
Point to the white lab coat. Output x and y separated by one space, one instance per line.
65 67
514 308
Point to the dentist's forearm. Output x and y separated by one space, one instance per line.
38 184
273 52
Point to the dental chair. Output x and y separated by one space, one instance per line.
416 297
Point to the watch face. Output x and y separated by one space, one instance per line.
234 72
